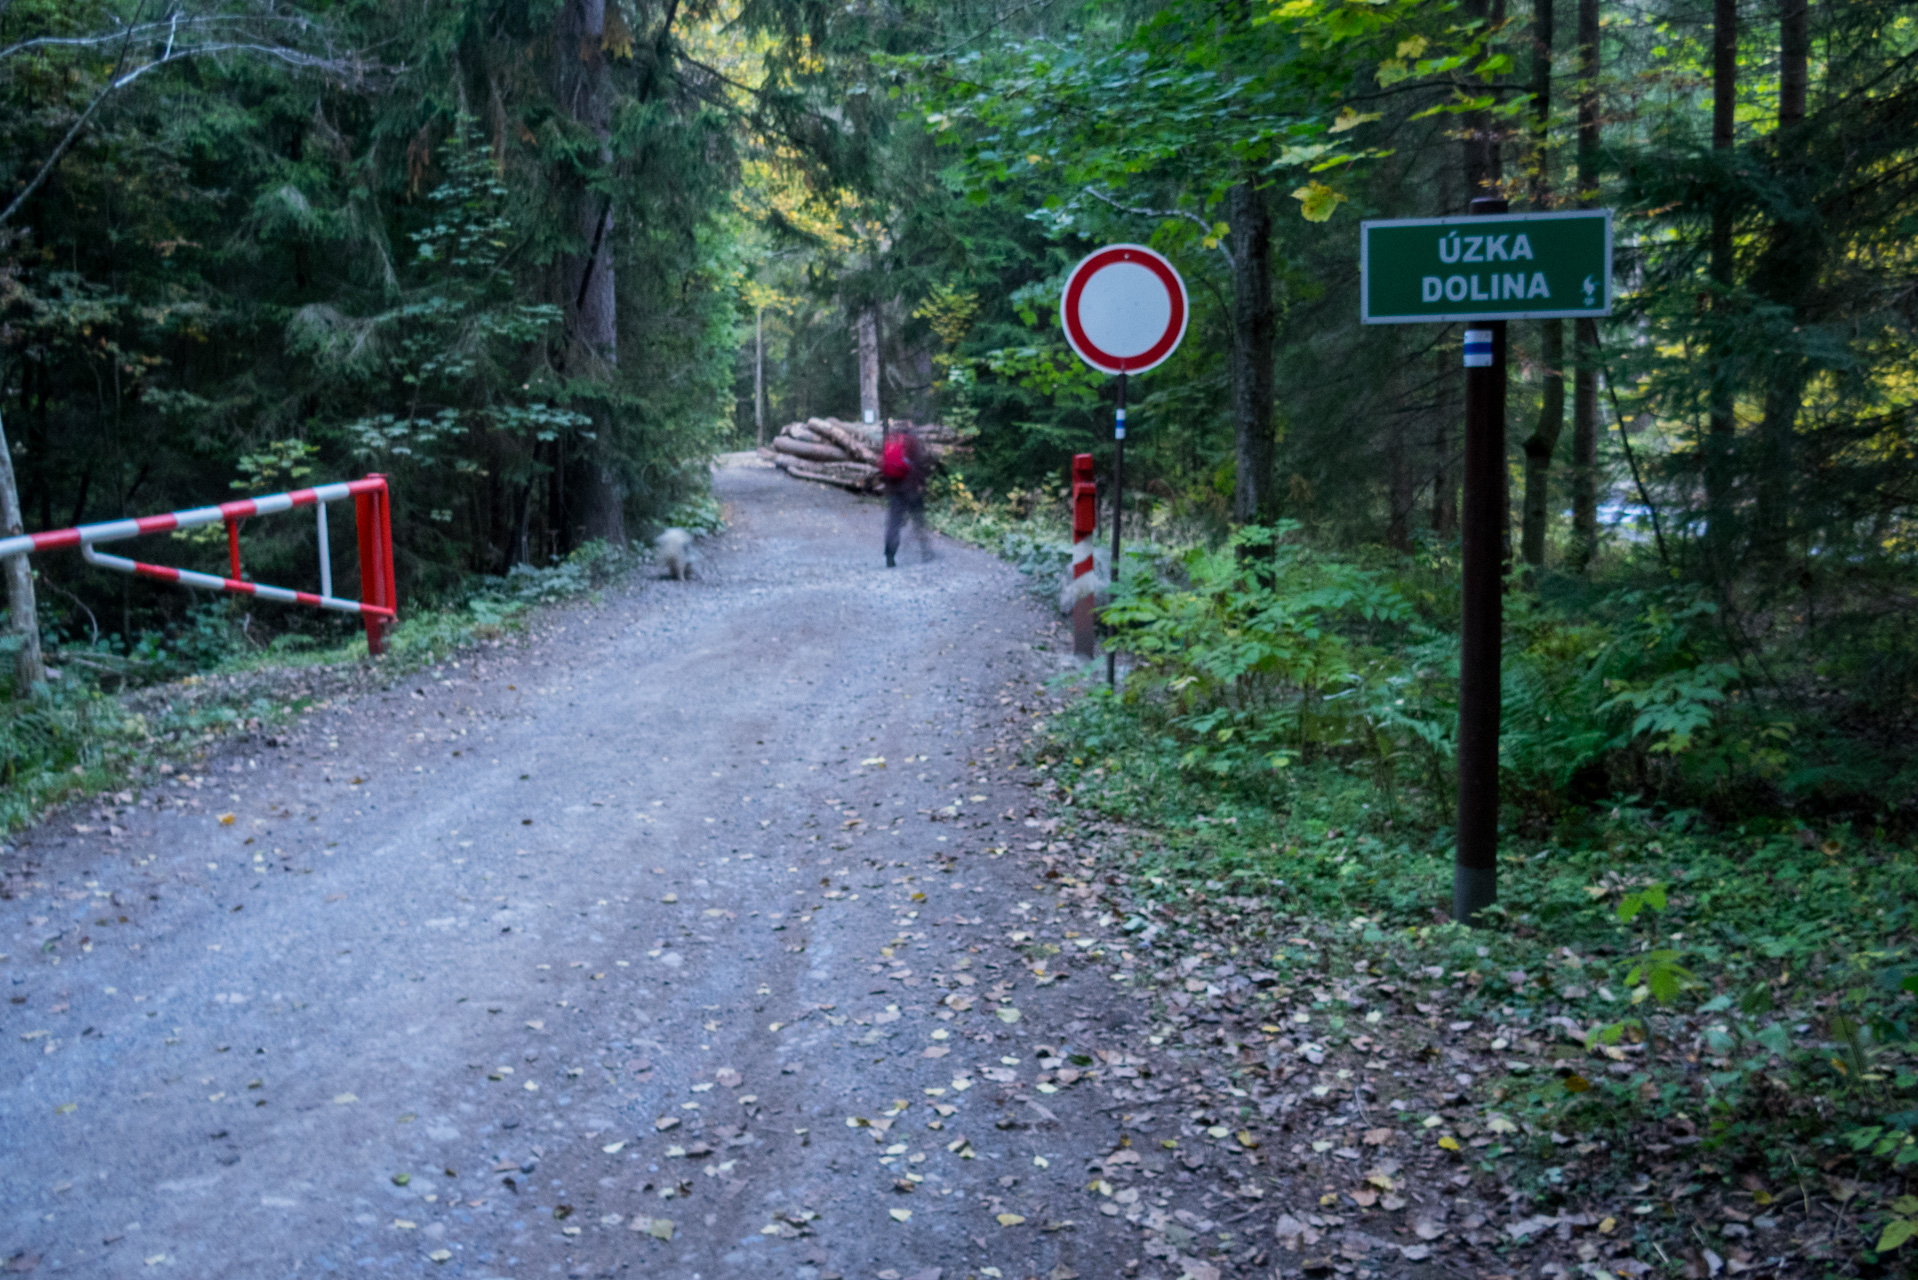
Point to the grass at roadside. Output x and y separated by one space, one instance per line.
113 712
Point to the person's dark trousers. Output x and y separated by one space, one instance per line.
901 504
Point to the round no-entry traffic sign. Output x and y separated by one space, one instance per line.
1124 309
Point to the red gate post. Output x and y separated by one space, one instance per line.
373 521
1085 525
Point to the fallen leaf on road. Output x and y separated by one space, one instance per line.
440 1255
613 1148
344 1099
658 1228
666 1122
1011 1219
901 1215
1009 1014
728 1077
226 819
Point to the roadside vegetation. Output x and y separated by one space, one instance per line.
1697 995
115 709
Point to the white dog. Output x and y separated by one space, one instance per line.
674 549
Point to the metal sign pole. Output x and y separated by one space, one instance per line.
1482 520
1118 497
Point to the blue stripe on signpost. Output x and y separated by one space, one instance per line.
1478 348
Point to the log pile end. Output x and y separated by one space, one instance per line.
846 454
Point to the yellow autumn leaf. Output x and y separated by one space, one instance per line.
1411 48
226 819
1350 119
901 1215
1010 1219
1317 201
1449 1143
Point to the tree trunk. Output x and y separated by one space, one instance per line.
1585 332
759 376
1723 423
1481 132
1254 333
1543 441
30 668
1444 478
585 93
1794 61
1784 280
869 364
1399 489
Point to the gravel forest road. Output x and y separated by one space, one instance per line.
680 938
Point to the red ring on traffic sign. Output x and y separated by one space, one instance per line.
1082 274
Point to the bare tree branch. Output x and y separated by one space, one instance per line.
172 52
1189 216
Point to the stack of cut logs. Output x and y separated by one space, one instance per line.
846 454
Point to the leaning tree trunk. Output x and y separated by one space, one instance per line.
592 300
30 669
1543 441
1254 334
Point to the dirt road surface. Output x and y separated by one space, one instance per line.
681 939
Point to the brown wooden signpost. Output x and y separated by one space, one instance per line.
1484 269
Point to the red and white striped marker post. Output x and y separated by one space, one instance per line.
379 598
1085 526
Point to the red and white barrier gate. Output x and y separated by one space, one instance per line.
1085 525
373 514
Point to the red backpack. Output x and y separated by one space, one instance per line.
896 462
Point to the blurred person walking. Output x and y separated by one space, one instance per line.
905 464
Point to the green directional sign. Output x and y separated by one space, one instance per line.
1520 266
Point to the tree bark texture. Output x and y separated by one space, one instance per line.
1723 425
1543 442
868 327
1254 333
1785 277
1444 455
759 376
593 299
29 667
1400 490
1585 332
1482 160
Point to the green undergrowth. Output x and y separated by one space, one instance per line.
1746 988
1705 925
116 706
